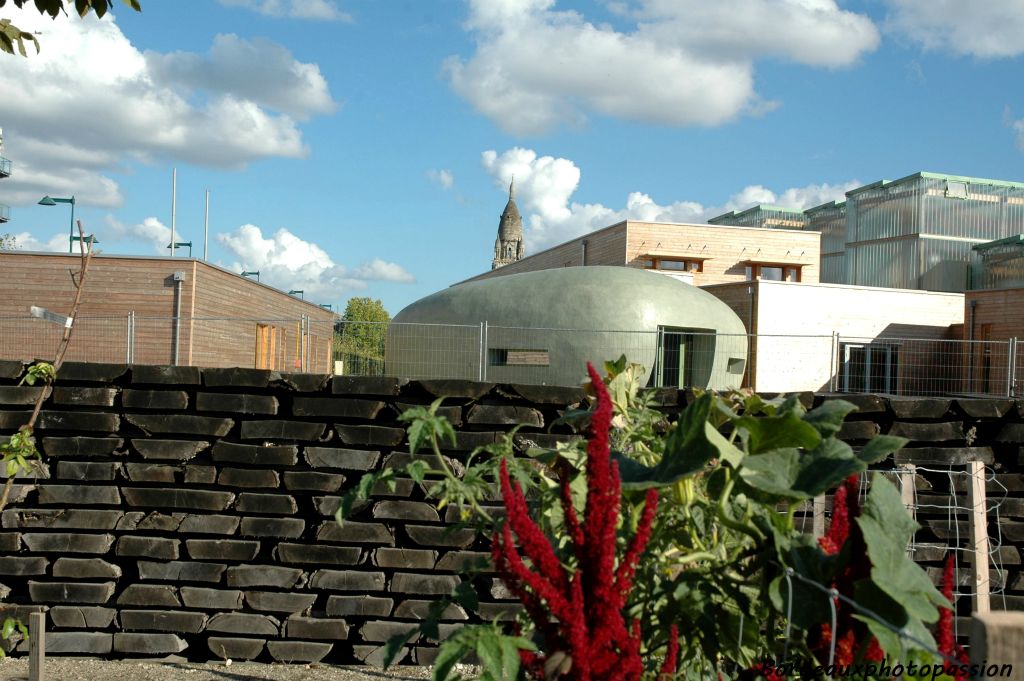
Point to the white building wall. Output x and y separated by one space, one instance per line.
815 312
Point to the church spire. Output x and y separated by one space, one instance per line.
508 247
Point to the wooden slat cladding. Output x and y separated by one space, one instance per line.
118 285
724 250
604 247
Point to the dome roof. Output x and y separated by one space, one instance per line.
563 318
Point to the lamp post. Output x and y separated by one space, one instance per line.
299 292
253 273
88 239
49 201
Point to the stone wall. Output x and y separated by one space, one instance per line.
187 511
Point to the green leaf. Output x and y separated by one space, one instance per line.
790 474
688 450
810 605
8 628
887 529
826 466
827 418
448 656
880 447
766 433
775 473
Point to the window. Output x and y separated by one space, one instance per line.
869 368
506 357
682 264
672 265
772 272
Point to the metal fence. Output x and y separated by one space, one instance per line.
673 357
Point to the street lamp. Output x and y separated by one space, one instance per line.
88 239
49 201
180 244
254 273
299 291
326 306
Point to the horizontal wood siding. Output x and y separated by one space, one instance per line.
724 248
604 247
117 285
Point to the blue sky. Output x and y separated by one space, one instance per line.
363 147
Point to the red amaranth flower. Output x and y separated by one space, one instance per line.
671 663
851 635
579 614
944 636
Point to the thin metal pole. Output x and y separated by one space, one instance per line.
206 225
1011 357
71 232
486 343
177 319
833 368
174 208
480 355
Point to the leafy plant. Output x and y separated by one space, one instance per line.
725 565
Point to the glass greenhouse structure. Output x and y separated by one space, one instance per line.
830 219
1001 264
771 217
918 232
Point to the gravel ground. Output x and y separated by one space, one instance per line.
67 669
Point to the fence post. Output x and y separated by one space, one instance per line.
1011 367
480 355
976 502
833 369
997 638
818 521
36 645
908 482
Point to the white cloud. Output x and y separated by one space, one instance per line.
382 270
1018 128
545 185
990 30
91 102
280 83
320 10
150 231
682 62
288 262
441 177
26 241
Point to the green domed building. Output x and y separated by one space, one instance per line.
543 327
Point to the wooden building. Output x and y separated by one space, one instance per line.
159 310
700 254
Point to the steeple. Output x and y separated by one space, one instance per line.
508 247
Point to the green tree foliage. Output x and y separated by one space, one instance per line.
8 242
359 336
11 35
